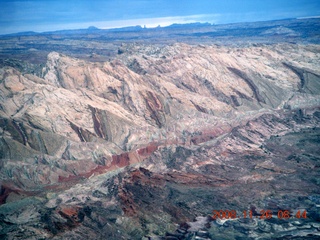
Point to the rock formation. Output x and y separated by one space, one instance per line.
155 137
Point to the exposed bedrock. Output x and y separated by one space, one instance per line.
309 80
263 164
150 139
88 112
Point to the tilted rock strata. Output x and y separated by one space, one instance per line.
178 183
194 118
88 112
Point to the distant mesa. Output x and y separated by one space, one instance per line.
27 33
184 25
127 29
93 28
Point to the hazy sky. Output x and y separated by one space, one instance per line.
48 15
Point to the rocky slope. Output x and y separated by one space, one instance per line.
157 137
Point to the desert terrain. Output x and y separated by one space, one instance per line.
141 133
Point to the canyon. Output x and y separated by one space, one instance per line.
147 140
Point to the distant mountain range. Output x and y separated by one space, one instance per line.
93 29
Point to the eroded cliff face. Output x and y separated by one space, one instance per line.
156 137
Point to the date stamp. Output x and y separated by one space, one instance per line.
264 214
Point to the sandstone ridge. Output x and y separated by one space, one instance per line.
150 123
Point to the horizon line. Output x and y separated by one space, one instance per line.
183 20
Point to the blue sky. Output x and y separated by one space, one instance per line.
48 15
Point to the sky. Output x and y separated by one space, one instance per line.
49 15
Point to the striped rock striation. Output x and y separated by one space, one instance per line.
156 137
